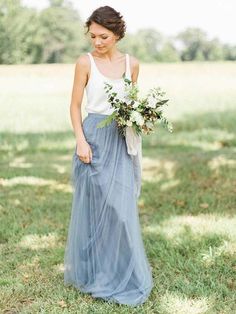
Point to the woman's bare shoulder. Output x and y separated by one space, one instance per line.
83 64
82 69
83 60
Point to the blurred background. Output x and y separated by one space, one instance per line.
187 206
51 31
187 48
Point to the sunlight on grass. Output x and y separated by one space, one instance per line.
59 268
24 180
64 157
199 225
5 146
36 242
15 201
209 257
46 144
207 146
217 162
59 168
169 185
21 145
174 304
154 170
207 139
19 162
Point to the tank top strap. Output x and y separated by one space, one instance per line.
128 71
92 62
90 56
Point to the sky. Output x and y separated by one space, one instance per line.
215 17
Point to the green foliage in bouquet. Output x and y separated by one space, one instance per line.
131 111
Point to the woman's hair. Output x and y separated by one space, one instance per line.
109 18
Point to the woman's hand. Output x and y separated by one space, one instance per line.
84 151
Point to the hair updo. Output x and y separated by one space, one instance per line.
109 18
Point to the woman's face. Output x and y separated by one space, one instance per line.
102 38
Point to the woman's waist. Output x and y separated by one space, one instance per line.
97 114
99 110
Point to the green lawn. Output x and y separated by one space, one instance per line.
187 206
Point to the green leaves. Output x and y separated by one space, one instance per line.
167 124
130 110
106 121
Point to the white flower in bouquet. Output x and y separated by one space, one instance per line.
129 123
151 102
135 104
121 97
137 117
125 95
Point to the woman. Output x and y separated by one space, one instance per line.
104 255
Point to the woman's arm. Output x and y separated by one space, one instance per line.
134 69
80 79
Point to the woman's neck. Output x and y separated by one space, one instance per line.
109 55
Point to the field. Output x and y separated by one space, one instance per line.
187 206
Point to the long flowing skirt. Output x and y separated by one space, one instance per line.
105 254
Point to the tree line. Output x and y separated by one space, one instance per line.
56 34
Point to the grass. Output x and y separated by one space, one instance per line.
187 205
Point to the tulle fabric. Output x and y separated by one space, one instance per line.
105 254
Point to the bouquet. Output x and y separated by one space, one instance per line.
130 111
135 115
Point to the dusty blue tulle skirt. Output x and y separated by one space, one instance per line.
105 254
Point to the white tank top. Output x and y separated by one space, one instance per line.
95 92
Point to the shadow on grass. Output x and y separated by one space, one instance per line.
189 267
192 170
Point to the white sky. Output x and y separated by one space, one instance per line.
216 17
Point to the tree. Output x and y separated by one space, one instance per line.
168 52
52 35
229 52
56 34
144 44
16 29
213 50
61 34
193 40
